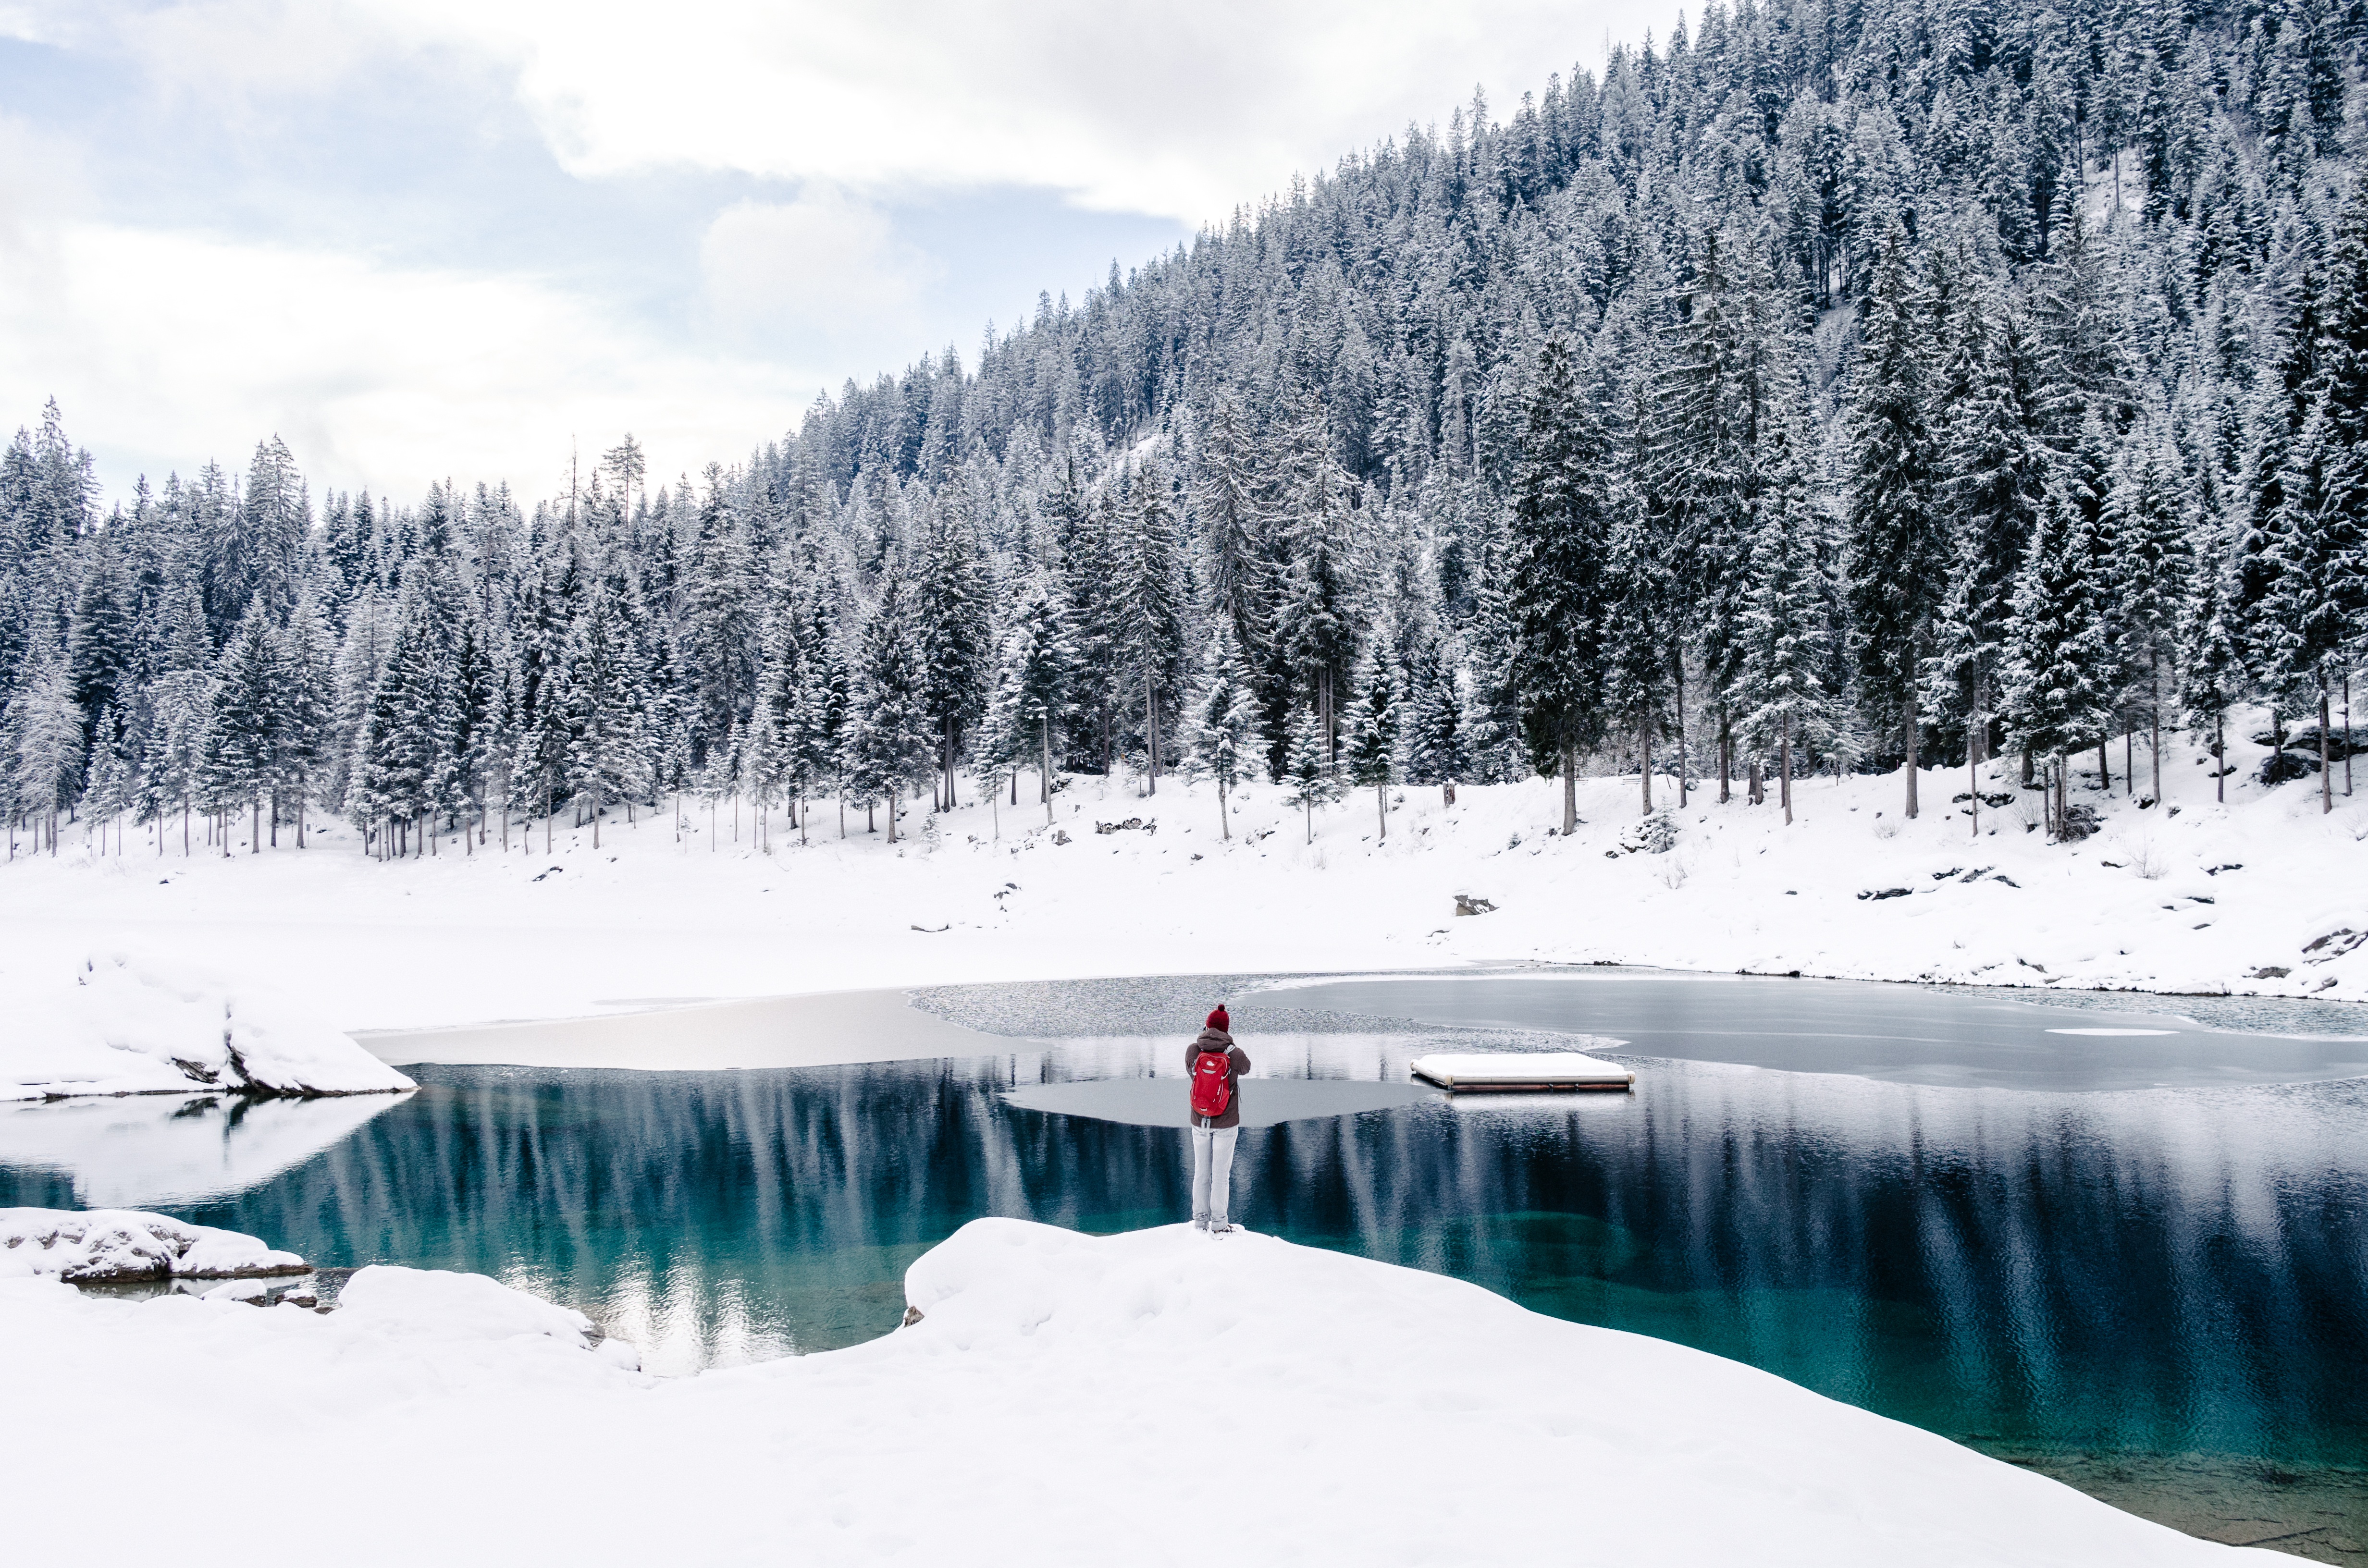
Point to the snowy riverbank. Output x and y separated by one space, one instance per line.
2260 894
1056 1388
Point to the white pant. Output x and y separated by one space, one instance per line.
1212 1171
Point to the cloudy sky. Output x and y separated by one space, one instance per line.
445 237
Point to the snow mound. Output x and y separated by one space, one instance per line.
108 1026
123 1243
1394 1417
449 1306
1074 1389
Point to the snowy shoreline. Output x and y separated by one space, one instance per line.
2255 897
1040 1368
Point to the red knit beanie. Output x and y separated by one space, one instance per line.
1218 1020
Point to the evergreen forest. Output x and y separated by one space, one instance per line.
1828 386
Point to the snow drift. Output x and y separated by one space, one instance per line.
1057 1401
108 1026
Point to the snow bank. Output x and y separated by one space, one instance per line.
108 1026
121 1244
1064 1399
441 1304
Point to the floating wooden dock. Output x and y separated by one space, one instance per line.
1537 1072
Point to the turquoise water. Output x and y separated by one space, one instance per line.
2105 1285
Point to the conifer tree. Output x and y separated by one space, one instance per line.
1032 695
1374 722
1151 595
1223 724
1311 778
2212 673
1780 690
889 741
2059 640
248 726
1893 561
1434 748
1555 571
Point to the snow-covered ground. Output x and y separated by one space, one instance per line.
1151 1397
2188 895
113 1024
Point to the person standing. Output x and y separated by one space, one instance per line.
1215 1065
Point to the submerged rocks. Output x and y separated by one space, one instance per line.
124 1244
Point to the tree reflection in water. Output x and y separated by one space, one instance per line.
2159 1272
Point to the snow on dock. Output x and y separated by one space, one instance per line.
1522 1071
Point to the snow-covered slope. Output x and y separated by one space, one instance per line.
1064 1399
2212 898
113 1025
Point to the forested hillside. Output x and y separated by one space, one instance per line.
1831 387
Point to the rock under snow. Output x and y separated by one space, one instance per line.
125 1245
111 1025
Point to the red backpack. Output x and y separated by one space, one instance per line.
1213 1084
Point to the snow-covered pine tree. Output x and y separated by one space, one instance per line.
1894 561
1222 725
1433 726
248 726
2309 621
1557 568
953 628
608 749
1310 776
307 705
1151 595
889 743
2059 640
1315 615
1033 678
2147 532
112 783
2212 667
1376 722
1779 692
1232 517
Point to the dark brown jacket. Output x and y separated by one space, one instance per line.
1218 1040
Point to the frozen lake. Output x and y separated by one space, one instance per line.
2134 1261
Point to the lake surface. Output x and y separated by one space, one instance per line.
2159 1294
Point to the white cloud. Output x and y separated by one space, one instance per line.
166 349
1142 106
818 276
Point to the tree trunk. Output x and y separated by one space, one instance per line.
1678 664
1382 804
1569 788
2105 766
2219 757
891 812
1726 756
1912 738
1046 732
1225 825
255 831
2154 713
1974 770
1784 767
1151 728
1644 758
2326 758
